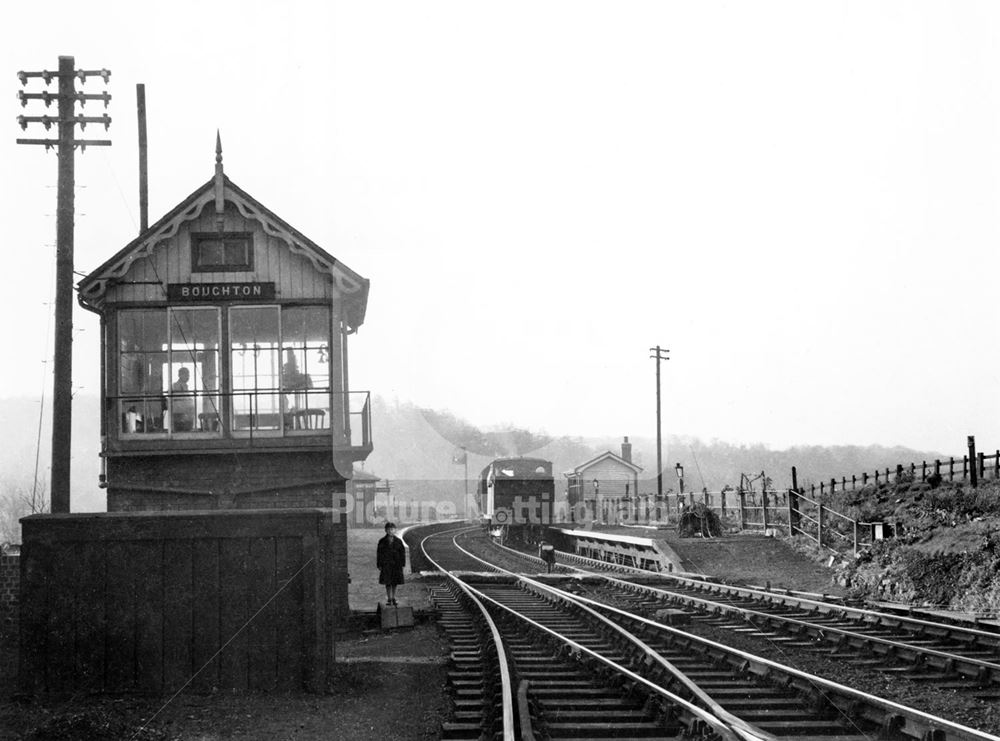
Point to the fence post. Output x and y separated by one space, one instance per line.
819 525
973 473
708 501
937 468
833 486
951 469
923 471
899 473
996 466
843 484
764 508
864 479
821 486
982 465
743 521
913 471
722 501
854 482
876 477
793 510
855 537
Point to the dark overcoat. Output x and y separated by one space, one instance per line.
390 559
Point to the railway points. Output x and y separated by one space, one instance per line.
859 713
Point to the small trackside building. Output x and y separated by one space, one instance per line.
224 334
598 488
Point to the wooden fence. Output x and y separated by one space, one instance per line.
986 467
158 602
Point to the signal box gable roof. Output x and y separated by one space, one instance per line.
216 192
603 456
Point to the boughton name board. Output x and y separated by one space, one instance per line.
220 291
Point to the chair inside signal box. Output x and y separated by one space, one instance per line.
301 416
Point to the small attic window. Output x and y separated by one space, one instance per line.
218 253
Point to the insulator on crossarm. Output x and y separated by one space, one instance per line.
20 97
106 74
47 76
23 78
82 75
47 122
22 122
107 122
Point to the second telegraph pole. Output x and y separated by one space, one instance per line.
659 354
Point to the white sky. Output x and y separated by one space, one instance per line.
800 200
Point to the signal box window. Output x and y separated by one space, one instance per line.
280 364
215 253
169 371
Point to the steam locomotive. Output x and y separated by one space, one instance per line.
515 494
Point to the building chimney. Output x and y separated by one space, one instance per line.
627 450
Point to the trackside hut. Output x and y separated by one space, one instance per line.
602 484
224 350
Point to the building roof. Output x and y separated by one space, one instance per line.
364 476
218 191
603 456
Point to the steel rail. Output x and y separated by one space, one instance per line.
866 615
728 725
974 668
647 650
506 686
929 723
652 655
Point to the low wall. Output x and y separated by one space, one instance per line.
153 602
10 587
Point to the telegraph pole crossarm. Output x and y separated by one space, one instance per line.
66 122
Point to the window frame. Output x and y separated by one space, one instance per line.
198 238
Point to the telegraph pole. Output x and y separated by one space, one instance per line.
66 120
659 354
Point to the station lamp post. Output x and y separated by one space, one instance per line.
679 470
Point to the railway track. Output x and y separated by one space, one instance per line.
653 680
963 658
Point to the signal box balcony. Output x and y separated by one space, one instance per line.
259 420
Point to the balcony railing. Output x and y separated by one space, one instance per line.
258 413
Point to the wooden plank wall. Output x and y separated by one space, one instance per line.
153 603
294 276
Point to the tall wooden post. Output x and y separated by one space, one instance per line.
62 398
660 354
973 473
793 510
140 100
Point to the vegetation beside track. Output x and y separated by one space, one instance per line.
946 549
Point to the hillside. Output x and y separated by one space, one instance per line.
414 449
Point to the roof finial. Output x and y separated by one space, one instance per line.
220 204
